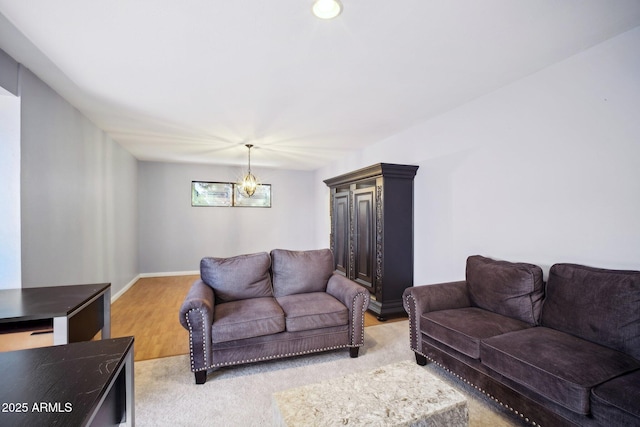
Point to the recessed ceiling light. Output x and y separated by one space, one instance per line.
327 9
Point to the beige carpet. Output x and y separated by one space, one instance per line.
166 394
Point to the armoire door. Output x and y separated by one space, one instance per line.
340 232
364 236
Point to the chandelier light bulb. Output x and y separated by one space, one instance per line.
249 184
327 9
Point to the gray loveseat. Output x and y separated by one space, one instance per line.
562 353
262 306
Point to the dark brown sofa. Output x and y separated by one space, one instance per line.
262 306
562 353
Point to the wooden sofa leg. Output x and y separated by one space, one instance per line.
201 377
420 359
353 352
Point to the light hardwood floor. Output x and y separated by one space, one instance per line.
149 312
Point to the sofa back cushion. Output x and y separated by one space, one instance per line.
297 272
602 306
239 277
511 289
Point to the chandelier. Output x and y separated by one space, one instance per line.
249 183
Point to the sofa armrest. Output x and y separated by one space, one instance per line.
418 300
196 316
356 299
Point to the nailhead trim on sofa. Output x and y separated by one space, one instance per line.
204 340
277 356
353 321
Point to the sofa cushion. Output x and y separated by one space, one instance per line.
599 305
463 328
507 288
615 402
559 366
239 277
312 311
296 272
247 318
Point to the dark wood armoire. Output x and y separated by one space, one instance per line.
372 231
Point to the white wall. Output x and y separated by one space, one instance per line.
174 236
10 265
544 170
78 196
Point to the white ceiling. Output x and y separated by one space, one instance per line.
195 80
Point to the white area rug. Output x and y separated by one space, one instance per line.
166 393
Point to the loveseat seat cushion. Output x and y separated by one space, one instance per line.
313 310
463 328
596 304
616 402
247 318
239 277
559 366
296 272
507 288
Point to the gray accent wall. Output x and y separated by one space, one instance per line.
78 196
174 236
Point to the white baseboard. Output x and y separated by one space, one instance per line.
170 273
143 275
125 289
